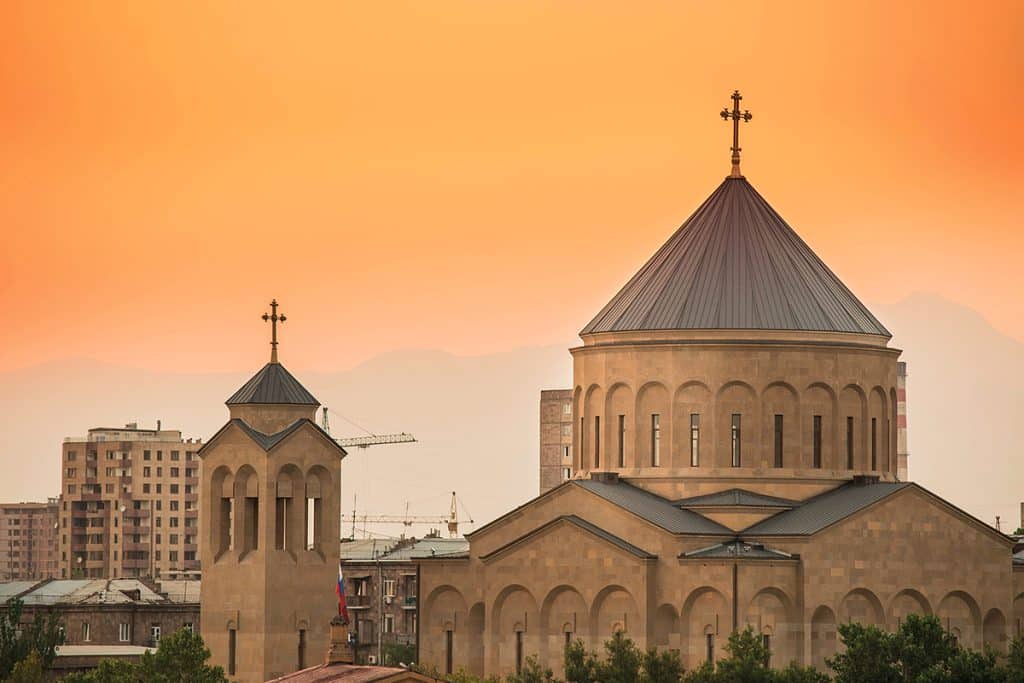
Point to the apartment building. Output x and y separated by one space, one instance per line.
129 504
555 437
28 541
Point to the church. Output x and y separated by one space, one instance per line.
734 419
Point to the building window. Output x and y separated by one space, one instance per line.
737 440
448 646
566 409
694 440
709 644
817 441
778 441
86 633
71 473
231 651
849 443
389 588
656 440
175 472
566 473
313 523
565 452
175 455
766 640
389 623
519 652
874 443
302 649
71 455
597 441
154 634
124 633
622 440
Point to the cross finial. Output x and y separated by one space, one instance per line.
273 318
736 117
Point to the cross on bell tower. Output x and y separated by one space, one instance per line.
273 318
736 117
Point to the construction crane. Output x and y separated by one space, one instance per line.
366 441
451 519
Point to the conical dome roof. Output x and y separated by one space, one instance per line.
735 264
273 385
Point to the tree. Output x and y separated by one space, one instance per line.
180 658
920 644
18 640
532 672
747 661
580 665
398 653
28 670
794 673
869 656
661 667
108 671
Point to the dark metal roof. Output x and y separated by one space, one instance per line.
654 509
824 510
268 441
735 264
585 525
273 384
737 497
738 549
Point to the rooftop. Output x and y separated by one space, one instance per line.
273 384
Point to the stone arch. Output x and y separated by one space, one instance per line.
704 612
220 497
614 608
780 398
692 398
862 606
894 431
994 630
563 607
824 636
619 403
906 602
666 627
514 616
246 511
595 446
770 612
852 404
475 638
877 430
961 616
318 495
737 398
650 444
819 399
289 514
444 610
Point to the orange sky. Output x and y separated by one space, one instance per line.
475 176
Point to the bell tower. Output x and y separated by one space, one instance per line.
269 528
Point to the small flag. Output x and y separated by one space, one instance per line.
340 590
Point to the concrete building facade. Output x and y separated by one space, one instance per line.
129 503
556 462
736 441
28 541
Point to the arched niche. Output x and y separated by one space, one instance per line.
737 399
515 628
960 615
994 630
819 400
319 491
652 441
220 500
693 426
614 610
595 445
618 426
289 514
780 399
862 606
564 616
705 612
877 431
444 635
824 637
666 627
771 613
852 434
906 602
246 508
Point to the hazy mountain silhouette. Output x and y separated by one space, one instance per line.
476 417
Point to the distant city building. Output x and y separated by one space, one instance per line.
129 503
107 619
902 452
555 437
381 590
28 541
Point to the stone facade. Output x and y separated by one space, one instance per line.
556 461
28 541
129 503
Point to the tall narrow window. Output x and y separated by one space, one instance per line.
281 524
302 649
656 440
252 523
448 645
817 441
622 440
583 449
313 522
737 440
766 640
778 441
849 443
231 651
519 652
597 441
694 440
568 636
226 537
874 443
709 641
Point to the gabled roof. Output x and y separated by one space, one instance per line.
273 384
824 510
735 264
654 509
582 524
736 497
738 549
268 441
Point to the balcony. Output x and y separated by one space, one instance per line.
144 547
192 481
136 564
358 601
409 602
191 547
191 497
137 513
132 529
125 479
191 564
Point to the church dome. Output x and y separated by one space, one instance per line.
735 265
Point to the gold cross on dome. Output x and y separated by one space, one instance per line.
736 117
273 318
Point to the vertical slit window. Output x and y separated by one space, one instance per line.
709 641
778 441
252 523
849 443
313 522
232 646
583 447
519 652
656 440
622 440
874 443
597 441
281 524
448 645
737 440
817 441
302 649
695 440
